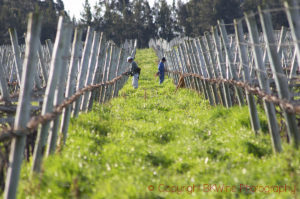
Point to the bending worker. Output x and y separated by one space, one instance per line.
161 70
134 71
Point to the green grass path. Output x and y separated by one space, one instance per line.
154 136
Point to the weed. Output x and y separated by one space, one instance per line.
176 139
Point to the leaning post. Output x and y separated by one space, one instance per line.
24 104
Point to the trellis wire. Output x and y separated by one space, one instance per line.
265 64
50 73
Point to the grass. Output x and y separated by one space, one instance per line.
154 138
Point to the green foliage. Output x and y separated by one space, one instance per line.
135 19
121 20
198 16
13 14
86 15
154 136
164 21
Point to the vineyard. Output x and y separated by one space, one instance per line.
224 124
228 69
154 136
46 89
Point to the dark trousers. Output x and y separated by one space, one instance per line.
161 78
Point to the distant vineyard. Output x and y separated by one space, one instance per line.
43 85
263 67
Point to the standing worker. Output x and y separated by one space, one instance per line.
161 70
134 71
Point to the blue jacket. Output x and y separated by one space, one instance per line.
161 68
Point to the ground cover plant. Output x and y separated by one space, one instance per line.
155 143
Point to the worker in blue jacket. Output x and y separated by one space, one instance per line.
161 70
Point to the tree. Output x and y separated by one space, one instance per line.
148 24
182 17
197 16
13 14
98 14
112 22
60 5
164 22
138 19
86 14
49 26
279 17
174 17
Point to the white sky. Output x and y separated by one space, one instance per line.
74 7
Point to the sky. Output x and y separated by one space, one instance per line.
74 7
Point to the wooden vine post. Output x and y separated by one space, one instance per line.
55 68
59 93
71 82
229 58
280 79
222 66
239 34
83 69
23 110
264 83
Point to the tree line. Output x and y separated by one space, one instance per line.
14 13
134 19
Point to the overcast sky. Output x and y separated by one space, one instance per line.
74 7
